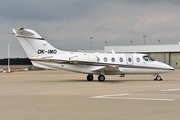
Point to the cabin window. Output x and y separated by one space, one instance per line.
98 59
138 59
105 59
129 59
121 59
113 59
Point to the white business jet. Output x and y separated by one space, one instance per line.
44 55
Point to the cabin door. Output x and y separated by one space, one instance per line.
129 59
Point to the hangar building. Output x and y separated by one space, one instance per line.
169 54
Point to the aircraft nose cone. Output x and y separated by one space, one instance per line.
171 68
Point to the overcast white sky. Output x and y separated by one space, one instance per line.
68 24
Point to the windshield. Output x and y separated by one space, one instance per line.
147 58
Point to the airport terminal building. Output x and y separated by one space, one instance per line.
169 54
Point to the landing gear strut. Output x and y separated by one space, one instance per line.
90 77
101 78
158 78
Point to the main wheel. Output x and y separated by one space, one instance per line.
90 77
101 78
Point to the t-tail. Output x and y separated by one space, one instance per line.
34 45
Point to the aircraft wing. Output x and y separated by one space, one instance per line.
108 69
93 67
98 67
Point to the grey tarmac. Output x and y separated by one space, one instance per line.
62 95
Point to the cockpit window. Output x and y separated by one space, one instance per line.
147 58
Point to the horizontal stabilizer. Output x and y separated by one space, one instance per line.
10 33
26 33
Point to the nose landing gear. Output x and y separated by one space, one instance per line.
101 78
158 78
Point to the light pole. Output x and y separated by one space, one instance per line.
132 42
106 43
91 42
144 36
159 41
9 70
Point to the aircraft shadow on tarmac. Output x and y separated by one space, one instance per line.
95 81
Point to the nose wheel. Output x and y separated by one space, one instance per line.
158 78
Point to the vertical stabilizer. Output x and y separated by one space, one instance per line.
33 44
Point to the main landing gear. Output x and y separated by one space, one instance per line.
90 77
101 78
158 78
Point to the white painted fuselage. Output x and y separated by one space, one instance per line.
95 63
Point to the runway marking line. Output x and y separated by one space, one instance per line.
120 96
170 90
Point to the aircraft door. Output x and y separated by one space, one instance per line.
129 58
